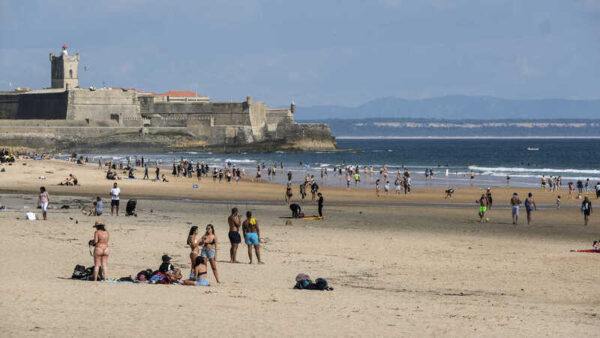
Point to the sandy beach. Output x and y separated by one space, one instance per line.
414 265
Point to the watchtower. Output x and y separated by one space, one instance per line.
64 70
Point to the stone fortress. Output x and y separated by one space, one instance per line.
68 118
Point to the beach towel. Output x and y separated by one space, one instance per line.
30 216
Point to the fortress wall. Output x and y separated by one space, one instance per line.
230 113
9 104
50 106
276 116
258 119
102 105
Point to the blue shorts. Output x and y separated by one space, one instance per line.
252 238
201 282
208 253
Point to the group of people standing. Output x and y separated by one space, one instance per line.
204 248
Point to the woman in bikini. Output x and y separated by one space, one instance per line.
200 278
193 243
209 249
101 250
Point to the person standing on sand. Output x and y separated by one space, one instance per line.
515 202
43 200
320 204
586 208
193 243
209 249
101 250
252 236
115 199
235 222
488 195
483 202
288 193
157 171
529 206
377 187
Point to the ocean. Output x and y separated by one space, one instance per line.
452 160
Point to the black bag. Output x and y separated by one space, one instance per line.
78 272
130 209
82 273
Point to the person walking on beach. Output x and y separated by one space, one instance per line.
529 206
209 249
586 208
114 203
320 204
288 193
377 187
543 183
146 171
43 200
252 236
488 195
515 202
234 222
483 202
101 250
157 171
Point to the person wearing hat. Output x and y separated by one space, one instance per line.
101 250
166 266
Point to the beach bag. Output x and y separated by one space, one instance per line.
130 209
79 272
321 284
30 216
144 275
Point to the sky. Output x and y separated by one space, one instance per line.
312 52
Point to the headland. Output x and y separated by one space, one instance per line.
67 117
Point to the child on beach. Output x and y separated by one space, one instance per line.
558 202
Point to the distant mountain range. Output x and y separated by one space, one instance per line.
457 108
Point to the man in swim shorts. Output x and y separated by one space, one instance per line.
252 236
482 207
234 221
529 206
515 202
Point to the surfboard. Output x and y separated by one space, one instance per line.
311 218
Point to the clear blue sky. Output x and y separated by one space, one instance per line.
315 52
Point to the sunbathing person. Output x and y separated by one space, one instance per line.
194 245
200 278
110 175
66 181
73 179
101 250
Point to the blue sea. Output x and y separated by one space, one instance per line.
452 160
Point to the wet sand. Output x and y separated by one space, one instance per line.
399 265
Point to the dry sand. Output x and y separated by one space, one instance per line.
399 266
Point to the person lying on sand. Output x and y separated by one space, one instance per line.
200 277
66 181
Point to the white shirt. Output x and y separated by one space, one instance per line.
114 193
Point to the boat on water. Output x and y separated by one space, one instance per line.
532 149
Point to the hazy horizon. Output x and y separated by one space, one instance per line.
315 53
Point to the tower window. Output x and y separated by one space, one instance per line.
71 73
